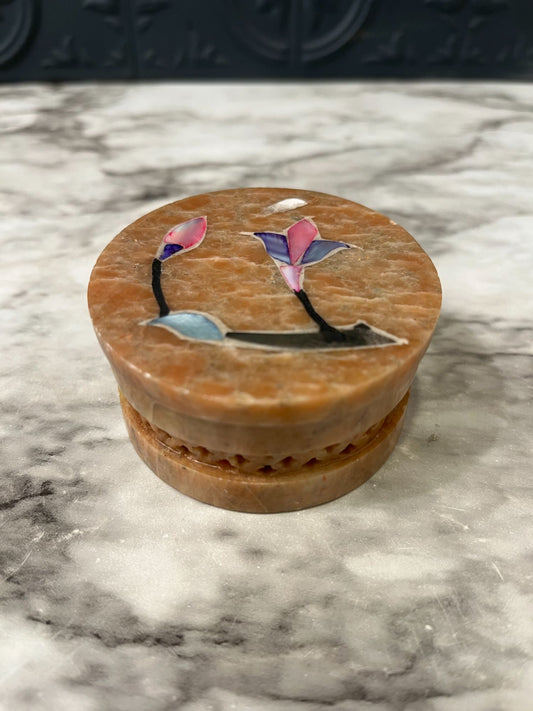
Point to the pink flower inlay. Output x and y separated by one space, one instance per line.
182 237
299 237
300 246
292 275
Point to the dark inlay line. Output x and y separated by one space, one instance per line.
329 332
157 289
359 336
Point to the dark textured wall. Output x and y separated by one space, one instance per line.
128 39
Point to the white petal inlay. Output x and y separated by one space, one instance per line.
285 205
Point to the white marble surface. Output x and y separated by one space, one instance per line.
413 592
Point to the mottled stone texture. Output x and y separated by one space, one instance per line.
413 592
251 401
231 487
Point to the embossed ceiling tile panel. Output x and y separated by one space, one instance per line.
349 38
175 39
238 39
439 38
280 38
54 40
295 33
18 23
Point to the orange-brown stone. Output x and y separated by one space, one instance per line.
232 487
251 401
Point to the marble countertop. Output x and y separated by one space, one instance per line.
414 591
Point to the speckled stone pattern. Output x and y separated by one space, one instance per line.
413 592
265 490
250 401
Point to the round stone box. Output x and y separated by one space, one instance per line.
264 342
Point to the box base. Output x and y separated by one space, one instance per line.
228 488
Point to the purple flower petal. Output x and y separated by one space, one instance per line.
276 245
169 250
320 249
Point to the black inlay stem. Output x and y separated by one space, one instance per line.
330 332
156 288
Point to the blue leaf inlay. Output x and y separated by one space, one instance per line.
320 248
276 245
190 325
169 250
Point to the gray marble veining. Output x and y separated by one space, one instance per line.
415 591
